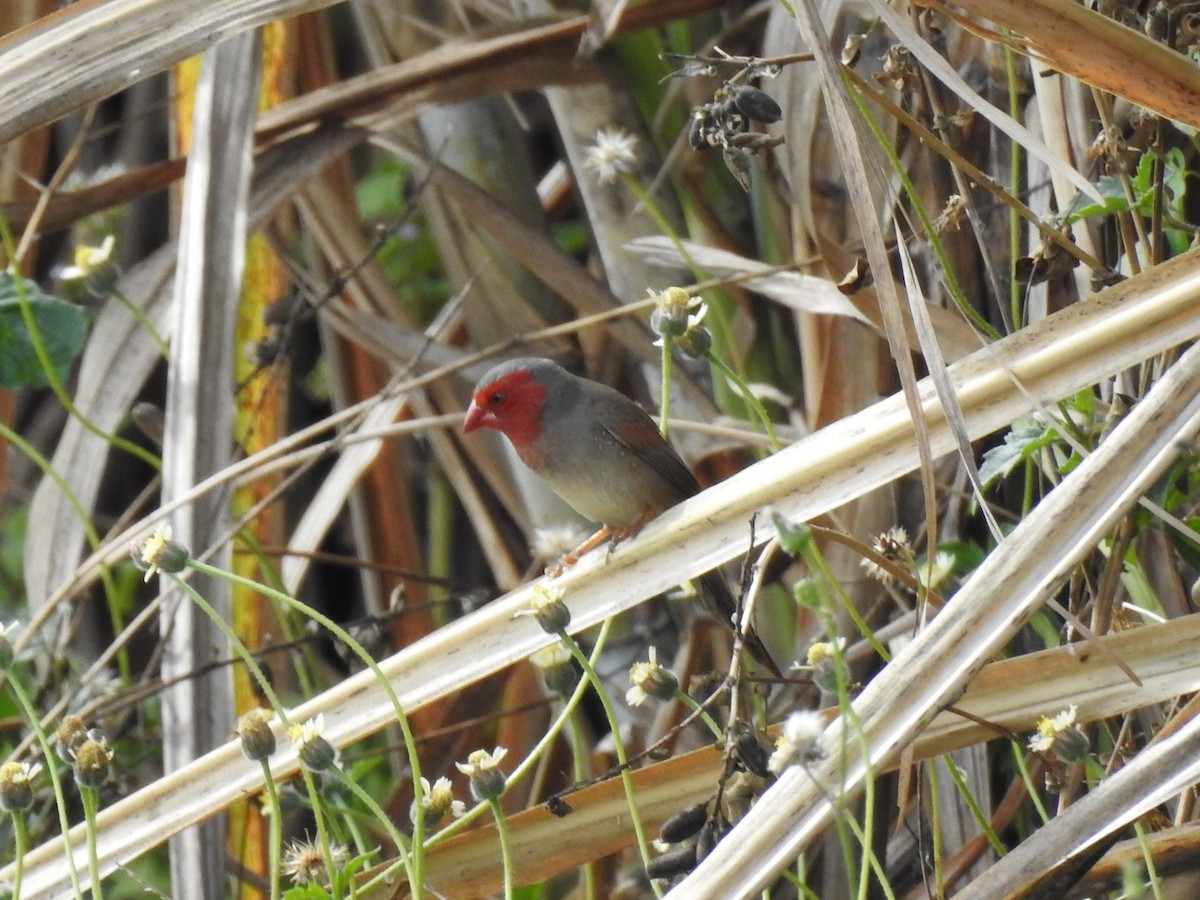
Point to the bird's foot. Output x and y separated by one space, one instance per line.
625 532
569 559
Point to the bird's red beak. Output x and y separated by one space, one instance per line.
478 417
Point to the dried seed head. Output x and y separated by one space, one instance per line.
755 104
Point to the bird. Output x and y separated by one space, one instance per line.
601 453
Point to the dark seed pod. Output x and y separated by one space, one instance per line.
755 104
674 862
710 835
683 825
752 754
559 807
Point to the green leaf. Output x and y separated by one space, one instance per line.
63 328
1186 547
1141 184
1110 189
794 537
1028 435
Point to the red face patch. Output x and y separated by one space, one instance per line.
512 404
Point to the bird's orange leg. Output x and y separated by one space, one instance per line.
607 533
569 559
627 531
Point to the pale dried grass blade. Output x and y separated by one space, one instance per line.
88 51
944 657
197 712
944 72
795 290
115 364
1156 775
1117 328
1073 39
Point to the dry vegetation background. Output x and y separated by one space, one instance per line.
328 224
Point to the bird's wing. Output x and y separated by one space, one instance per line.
645 440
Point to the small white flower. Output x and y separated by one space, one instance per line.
88 260
548 607
308 731
820 651
614 154
158 553
483 769
933 575
311 745
481 761
797 740
439 800
650 680
16 785
1050 729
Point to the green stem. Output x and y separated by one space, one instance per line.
371 804
235 642
310 784
957 294
89 533
1031 789
505 849
579 762
1148 859
60 799
91 803
622 757
21 835
542 745
850 717
935 827
660 220
984 825
275 846
748 396
691 704
414 862
665 401
816 563
141 319
51 373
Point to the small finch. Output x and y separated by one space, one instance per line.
599 451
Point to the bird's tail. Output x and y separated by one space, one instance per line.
718 599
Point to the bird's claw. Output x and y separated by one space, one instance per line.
563 563
617 537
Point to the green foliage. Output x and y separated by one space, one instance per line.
63 327
794 537
409 257
1033 433
1027 437
12 543
1142 186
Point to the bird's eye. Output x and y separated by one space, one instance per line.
496 399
